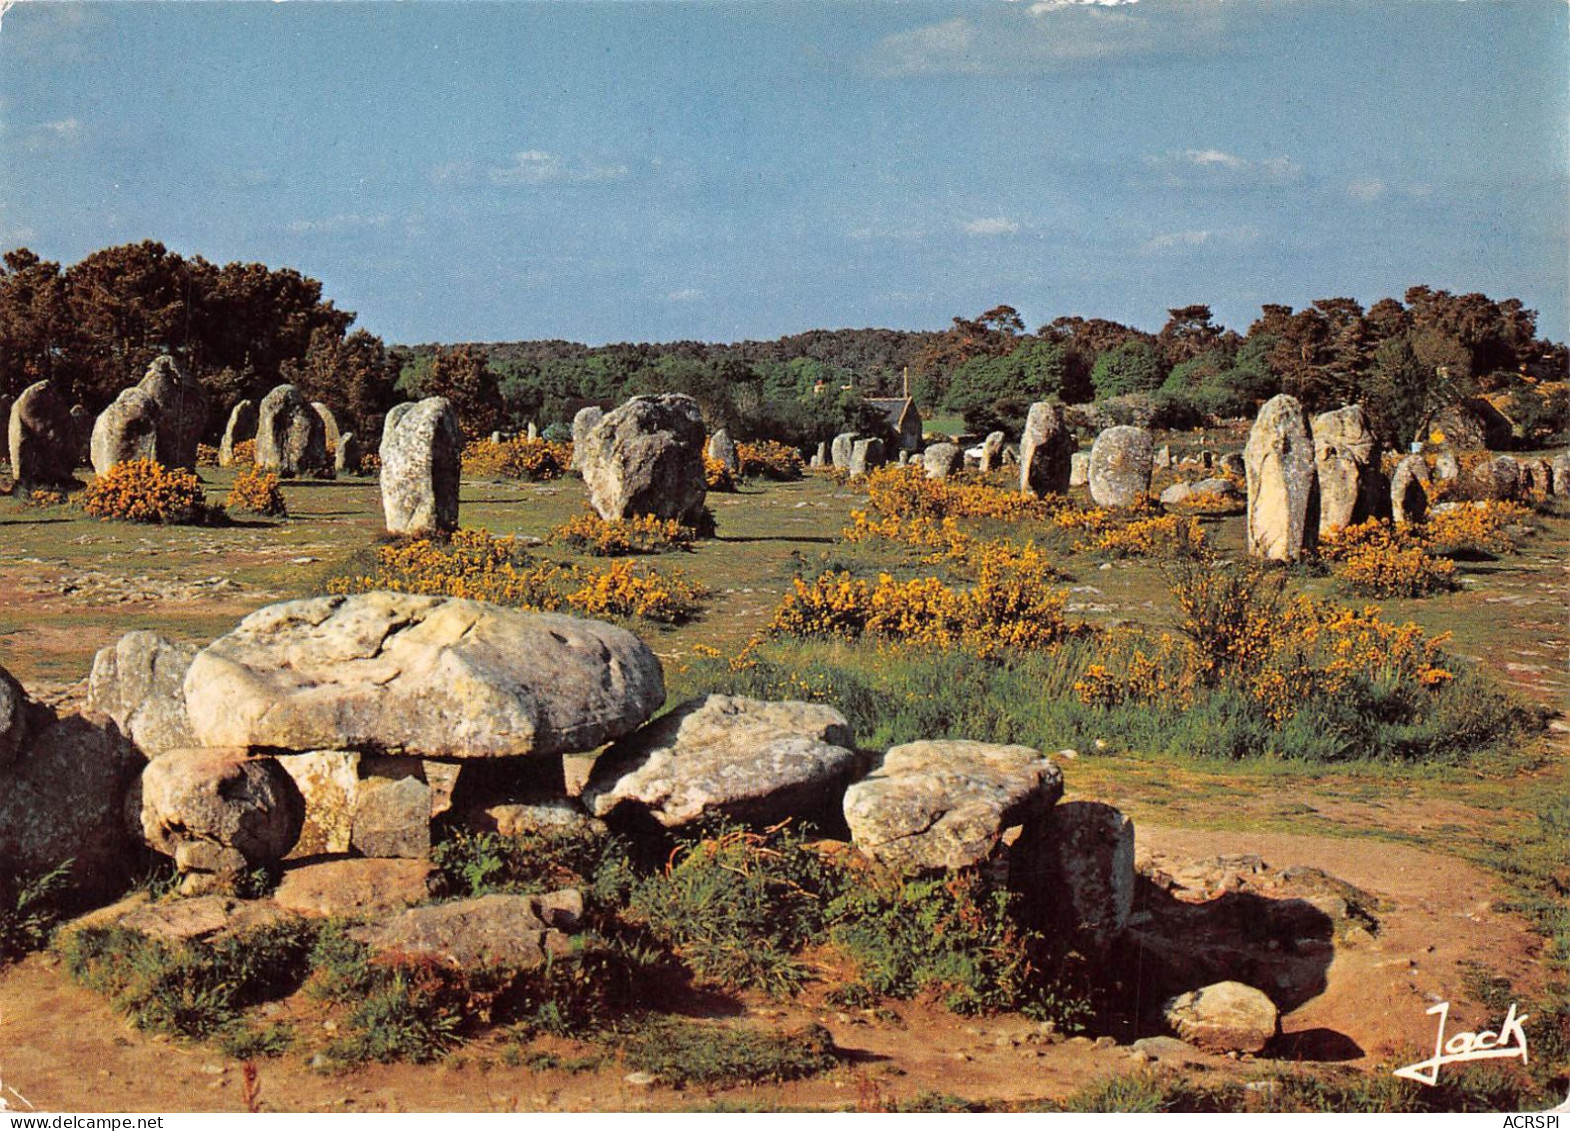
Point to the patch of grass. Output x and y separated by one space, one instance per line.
680 1053
29 910
195 989
247 1042
483 863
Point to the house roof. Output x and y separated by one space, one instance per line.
894 409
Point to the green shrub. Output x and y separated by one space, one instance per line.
684 1052
29 910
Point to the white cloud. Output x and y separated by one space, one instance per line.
1198 237
1367 190
990 226
65 129
1180 168
343 222
541 167
870 233
1041 7
686 294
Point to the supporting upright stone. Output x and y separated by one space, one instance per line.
1120 464
1283 495
421 450
1045 450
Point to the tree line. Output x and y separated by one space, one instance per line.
241 328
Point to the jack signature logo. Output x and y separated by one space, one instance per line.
1509 1042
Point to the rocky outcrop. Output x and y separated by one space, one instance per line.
1283 495
726 756
355 888
290 438
947 803
138 683
426 676
646 458
1120 463
422 454
1046 448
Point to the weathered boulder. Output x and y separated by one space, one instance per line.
947 803
1046 448
1163 457
1409 489
1120 462
1283 496
1178 493
940 461
182 411
348 457
422 454
547 816
1224 1017
508 931
16 713
62 799
646 458
139 684
290 438
582 423
126 430
723 755
330 430
992 451
1498 478
392 817
1560 474
1079 469
1346 463
240 428
723 448
841 449
1075 870
202 917
866 456
218 811
427 676
356 888
43 452
820 456
1233 464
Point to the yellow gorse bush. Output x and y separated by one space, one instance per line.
480 566
244 452
1378 559
641 534
1480 527
257 491
1167 536
768 459
716 476
906 492
143 490
517 458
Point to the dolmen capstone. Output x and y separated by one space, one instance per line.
646 458
290 437
422 454
1283 496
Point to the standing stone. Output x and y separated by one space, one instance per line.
126 430
182 411
1560 472
1346 458
40 435
1120 463
241 427
532 432
1283 496
646 458
582 423
1163 457
820 458
904 458
82 433
941 460
992 451
422 449
1079 469
841 449
1409 487
1446 467
333 433
1537 477
866 456
347 459
290 436
1045 450
723 448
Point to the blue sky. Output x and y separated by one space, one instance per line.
659 170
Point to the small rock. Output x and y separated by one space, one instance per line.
640 1079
